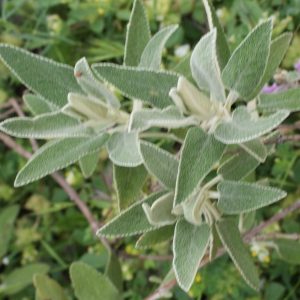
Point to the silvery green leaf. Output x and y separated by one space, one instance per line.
128 182
242 129
88 164
240 197
130 221
288 100
160 163
238 166
292 76
289 250
72 112
154 237
247 221
8 216
200 152
151 57
233 242
94 88
271 137
215 242
47 288
138 35
256 148
247 64
37 105
189 245
169 117
46 126
159 214
193 208
113 271
150 86
58 154
223 52
184 68
124 149
205 68
89 284
277 51
55 80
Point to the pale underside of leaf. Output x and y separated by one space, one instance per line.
56 155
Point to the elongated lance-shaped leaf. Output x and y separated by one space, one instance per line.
94 88
58 154
289 250
37 105
151 57
248 62
128 182
169 117
205 68
160 163
47 288
150 86
256 148
138 35
242 129
277 51
215 242
200 152
46 126
154 237
223 52
113 271
189 245
288 100
233 242
130 221
159 214
184 68
8 216
240 197
88 164
48 79
124 149
89 284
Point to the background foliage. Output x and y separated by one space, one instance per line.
48 232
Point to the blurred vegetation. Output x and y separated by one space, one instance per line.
46 231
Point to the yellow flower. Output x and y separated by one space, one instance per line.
198 278
267 259
254 253
100 11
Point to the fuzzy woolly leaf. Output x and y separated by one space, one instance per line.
277 51
159 214
88 164
241 197
130 221
189 245
128 182
205 68
46 126
150 86
242 129
289 250
234 244
288 100
223 52
8 216
255 148
169 117
215 242
124 149
113 271
154 237
89 284
20 278
56 155
138 35
48 79
247 63
47 288
200 152
151 57
37 105
94 88
184 68
160 163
